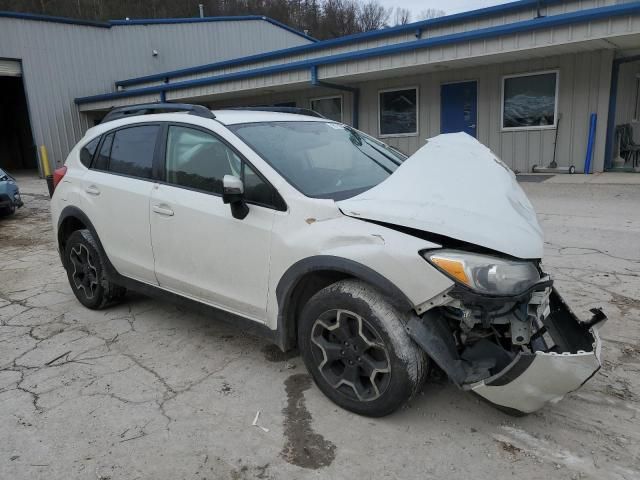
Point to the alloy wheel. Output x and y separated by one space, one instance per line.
84 275
351 355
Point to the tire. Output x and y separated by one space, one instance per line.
354 344
87 274
6 211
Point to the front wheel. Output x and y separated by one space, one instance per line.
354 345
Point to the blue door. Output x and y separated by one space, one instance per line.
459 108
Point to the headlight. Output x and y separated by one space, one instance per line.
484 273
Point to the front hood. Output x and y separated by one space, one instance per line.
456 187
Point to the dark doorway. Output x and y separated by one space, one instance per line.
17 151
459 108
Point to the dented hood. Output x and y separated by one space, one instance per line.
455 186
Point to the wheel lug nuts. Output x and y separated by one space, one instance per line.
359 359
346 344
350 362
342 352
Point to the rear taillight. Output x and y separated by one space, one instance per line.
58 173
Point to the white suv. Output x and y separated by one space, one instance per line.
320 237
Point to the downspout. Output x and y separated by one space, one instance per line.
355 92
163 93
611 115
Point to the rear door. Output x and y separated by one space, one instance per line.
117 189
200 249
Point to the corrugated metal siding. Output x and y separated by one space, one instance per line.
561 39
522 41
61 62
584 88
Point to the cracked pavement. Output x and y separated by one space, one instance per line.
149 390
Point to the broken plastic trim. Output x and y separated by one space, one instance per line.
530 379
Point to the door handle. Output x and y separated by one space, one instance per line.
92 190
472 125
163 210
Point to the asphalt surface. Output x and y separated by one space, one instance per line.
151 391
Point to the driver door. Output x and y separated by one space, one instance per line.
200 250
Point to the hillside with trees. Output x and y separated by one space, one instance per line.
320 18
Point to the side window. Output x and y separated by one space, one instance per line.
199 160
132 151
88 151
257 190
101 161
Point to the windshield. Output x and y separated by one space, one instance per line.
321 159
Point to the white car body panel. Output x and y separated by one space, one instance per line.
455 186
316 227
120 215
194 253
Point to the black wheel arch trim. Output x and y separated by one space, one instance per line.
286 331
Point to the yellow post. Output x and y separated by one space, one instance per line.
44 158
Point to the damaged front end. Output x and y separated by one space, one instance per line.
516 352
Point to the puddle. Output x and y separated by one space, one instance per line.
304 447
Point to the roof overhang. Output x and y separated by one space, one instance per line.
611 27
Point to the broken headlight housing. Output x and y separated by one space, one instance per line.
485 274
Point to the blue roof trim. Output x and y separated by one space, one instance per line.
433 22
47 18
149 21
517 27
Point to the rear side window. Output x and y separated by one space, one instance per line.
88 151
132 151
101 161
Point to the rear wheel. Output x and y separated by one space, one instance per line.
354 345
86 272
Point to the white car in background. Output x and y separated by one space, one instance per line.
317 236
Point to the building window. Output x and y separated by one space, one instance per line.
398 112
636 105
329 107
530 101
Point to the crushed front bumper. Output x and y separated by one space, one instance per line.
531 379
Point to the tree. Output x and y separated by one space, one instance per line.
402 16
373 16
431 13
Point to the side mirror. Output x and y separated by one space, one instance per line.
233 194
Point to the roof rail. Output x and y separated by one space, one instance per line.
293 110
149 108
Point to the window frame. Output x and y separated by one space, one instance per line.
104 135
279 203
330 97
636 105
555 107
399 135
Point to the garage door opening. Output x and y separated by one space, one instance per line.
17 151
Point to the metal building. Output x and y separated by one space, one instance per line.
525 78
47 62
